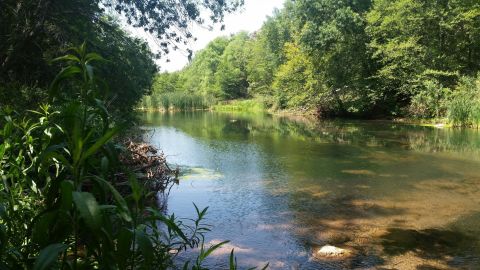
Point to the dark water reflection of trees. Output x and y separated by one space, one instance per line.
230 126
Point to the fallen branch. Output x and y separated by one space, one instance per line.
150 166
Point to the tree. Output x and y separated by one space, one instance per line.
35 32
265 52
199 75
232 72
418 40
333 34
295 84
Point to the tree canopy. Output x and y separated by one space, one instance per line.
349 58
33 33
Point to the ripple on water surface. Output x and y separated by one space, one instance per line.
393 196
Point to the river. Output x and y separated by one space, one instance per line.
395 196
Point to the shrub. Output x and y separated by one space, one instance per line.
430 101
464 104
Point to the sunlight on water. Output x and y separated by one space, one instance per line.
394 196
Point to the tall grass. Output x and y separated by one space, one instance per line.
177 101
247 105
464 105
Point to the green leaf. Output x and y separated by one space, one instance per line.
170 223
93 57
66 188
68 57
103 111
88 208
211 249
67 72
89 69
120 201
104 165
7 129
100 142
124 243
145 246
42 226
2 151
233 261
136 189
51 154
48 256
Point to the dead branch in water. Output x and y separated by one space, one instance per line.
149 166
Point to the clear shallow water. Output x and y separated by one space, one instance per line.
397 196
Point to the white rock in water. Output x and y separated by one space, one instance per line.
331 251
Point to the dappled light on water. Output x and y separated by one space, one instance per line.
390 195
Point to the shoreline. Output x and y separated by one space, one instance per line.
311 115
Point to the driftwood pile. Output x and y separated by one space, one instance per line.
150 168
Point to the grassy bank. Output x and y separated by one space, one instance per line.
243 105
182 102
456 116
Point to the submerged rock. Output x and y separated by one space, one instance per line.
331 251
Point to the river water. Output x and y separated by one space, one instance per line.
394 196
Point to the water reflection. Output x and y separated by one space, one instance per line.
395 195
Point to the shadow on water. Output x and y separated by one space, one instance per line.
449 246
370 232
429 243
388 223
396 196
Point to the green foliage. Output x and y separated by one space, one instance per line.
430 101
249 105
344 58
218 71
265 51
32 33
231 75
415 39
60 207
183 101
464 105
295 83
332 33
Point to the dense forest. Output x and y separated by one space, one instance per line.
370 59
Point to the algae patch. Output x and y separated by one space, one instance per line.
199 173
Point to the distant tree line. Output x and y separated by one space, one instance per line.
348 58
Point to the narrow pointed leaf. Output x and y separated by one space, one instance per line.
100 142
88 208
48 256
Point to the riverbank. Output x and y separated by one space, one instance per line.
257 105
